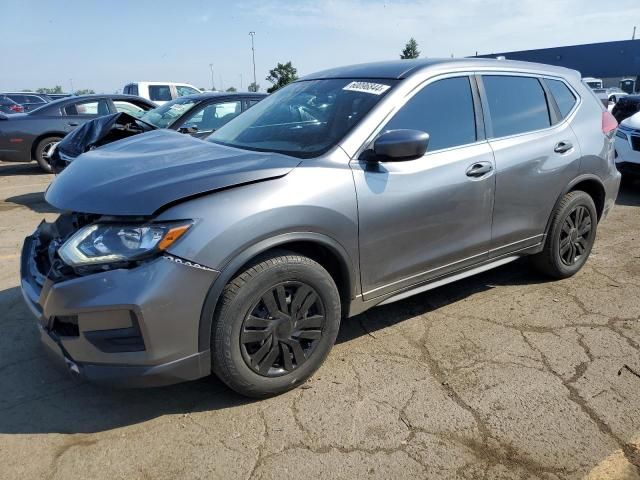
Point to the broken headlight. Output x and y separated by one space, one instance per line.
114 243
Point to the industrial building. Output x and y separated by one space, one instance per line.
616 63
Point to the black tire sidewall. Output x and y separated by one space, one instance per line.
40 150
229 363
578 199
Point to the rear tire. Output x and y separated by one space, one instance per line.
41 150
571 236
274 325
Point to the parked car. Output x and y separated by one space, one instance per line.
625 107
350 188
9 107
593 82
30 101
614 94
197 115
58 96
628 147
26 137
160 92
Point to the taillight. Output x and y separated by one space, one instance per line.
609 123
16 108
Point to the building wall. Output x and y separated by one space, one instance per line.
610 60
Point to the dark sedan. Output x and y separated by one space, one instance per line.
197 115
626 106
26 137
9 107
29 100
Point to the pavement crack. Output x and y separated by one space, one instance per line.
629 369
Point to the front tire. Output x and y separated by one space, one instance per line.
275 324
570 238
41 152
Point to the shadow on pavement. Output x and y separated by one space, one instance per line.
38 396
34 201
15 169
378 318
629 194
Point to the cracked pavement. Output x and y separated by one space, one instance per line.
503 375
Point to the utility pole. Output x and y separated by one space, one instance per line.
633 37
211 68
241 86
253 56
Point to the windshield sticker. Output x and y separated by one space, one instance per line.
367 87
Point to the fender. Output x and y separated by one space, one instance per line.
231 268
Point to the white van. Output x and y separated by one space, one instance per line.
159 92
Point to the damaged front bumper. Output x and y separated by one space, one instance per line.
126 327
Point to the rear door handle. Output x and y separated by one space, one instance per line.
479 169
73 124
563 147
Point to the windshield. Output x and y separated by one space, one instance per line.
304 119
164 116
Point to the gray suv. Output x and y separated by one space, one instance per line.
350 188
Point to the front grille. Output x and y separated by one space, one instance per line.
635 143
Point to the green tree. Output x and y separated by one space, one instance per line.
253 87
56 89
85 91
232 89
281 75
410 50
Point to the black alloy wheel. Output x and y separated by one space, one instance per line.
574 238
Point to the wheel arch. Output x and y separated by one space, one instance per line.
321 248
41 137
590 184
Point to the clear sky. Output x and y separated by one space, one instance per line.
105 44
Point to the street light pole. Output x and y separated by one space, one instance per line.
211 68
253 56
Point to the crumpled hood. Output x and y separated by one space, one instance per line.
139 175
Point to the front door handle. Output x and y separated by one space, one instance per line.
479 169
73 124
563 147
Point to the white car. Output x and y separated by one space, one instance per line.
628 147
160 92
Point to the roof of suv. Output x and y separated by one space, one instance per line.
399 69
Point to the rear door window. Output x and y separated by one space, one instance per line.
444 109
93 107
160 93
565 99
516 104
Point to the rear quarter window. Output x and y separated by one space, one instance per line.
565 99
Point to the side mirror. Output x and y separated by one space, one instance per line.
400 145
190 129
